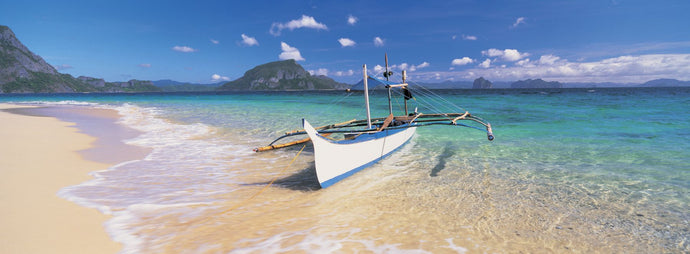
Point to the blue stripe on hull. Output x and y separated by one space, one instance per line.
336 179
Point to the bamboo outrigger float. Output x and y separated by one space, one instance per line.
361 143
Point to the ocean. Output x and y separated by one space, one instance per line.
571 170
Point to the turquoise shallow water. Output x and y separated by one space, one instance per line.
603 169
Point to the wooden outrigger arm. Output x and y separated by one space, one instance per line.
271 147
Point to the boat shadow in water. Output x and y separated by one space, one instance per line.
447 152
303 180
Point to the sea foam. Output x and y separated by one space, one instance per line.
185 168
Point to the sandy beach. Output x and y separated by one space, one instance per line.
38 157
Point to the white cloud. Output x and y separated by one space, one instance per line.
409 67
622 69
492 52
145 65
289 52
184 49
304 22
249 41
511 55
346 42
469 37
462 61
320 71
520 20
486 63
378 68
216 77
378 42
524 62
344 73
351 20
215 41
548 59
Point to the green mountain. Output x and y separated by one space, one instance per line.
22 71
280 76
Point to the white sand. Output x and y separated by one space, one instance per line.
38 157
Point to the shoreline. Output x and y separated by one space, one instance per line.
44 150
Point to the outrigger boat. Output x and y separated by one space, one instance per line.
364 142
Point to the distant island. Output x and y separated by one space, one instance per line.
482 83
22 71
281 76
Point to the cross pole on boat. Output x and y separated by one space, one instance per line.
420 119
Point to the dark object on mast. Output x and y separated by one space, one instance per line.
387 73
407 93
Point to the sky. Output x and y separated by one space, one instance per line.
202 41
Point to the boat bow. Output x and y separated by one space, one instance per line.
336 160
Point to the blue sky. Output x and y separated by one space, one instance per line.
211 41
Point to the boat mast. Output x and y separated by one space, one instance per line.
366 96
388 74
405 91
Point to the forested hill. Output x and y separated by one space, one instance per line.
281 75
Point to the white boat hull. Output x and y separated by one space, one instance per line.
338 160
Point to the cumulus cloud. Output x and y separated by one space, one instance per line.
249 41
622 69
289 52
408 67
215 41
351 20
520 20
320 71
511 55
304 22
548 59
216 77
485 64
492 52
183 49
469 37
462 61
419 66
346 42
378 42
145 65
524 62
344 73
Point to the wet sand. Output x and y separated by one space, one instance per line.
38 157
